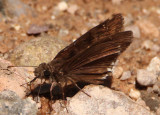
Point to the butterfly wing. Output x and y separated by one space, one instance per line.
91 57
93 64
107 28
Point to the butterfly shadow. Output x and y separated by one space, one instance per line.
43 90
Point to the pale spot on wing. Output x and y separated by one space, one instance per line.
109 69
104 76
113 63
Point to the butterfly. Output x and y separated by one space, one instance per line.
88 59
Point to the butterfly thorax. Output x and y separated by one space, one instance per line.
49 70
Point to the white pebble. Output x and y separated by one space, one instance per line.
156 89
154 65
128 20
146 78
53 17
126 75
134 94
147 44
62 6
116 2
117 71
72 9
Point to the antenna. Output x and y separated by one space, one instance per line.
20 66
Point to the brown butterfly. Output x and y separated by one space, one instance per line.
90 58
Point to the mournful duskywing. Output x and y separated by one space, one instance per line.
90 58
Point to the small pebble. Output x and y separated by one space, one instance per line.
63 32
158 11
117 71
72 8
147 44
134 94
156 89
146 78
126 75
154 66
44 8
62 6
158 111
53 17
149 89
128 20
116 2
156 48
23 34
36 29
17 27
145 11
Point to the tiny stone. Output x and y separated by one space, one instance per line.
156 89
36 29
44 8
17 27
72 9
63 32
53 17
145 11
134 94
158 11
23 34
149 89
117 72
1 31
154 66
158 111
128 20
156 48
147 44
116 2
126 75
146 78
62 6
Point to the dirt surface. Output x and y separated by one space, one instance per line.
69 24
88 12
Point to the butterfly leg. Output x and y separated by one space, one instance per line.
62 86
51 88
39 89
70 79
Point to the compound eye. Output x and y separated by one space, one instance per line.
47 73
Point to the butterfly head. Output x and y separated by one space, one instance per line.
42 71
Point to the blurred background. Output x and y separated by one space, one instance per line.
69 19
34 31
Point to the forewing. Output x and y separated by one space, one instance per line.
105 29
97 61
